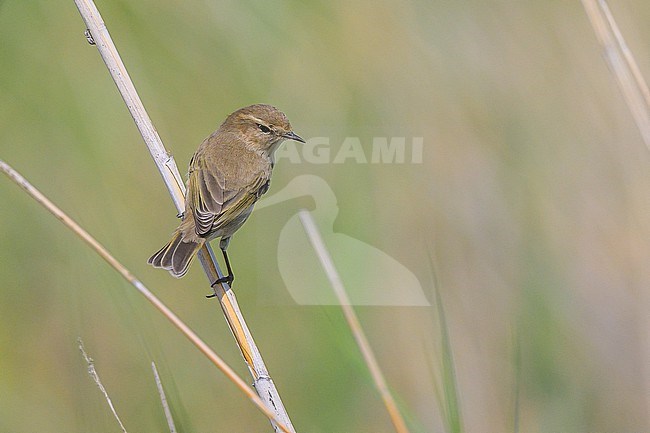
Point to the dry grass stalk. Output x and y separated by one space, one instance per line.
353 321
98 34
625 50
95 377
163 399
157 303
622 63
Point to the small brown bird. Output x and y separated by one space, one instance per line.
229 172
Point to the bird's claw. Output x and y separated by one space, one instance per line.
225 279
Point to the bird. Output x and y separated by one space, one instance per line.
227 175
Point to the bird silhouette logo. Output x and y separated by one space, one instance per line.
370 276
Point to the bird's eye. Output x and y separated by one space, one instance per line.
265 129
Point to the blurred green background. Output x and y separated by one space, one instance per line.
531 204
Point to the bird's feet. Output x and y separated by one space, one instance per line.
225 279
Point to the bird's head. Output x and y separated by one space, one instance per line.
263 127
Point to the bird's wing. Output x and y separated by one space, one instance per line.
213 201
245 198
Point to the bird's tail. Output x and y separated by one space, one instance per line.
177 255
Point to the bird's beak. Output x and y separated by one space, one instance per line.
293 136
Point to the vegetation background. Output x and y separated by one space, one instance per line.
532 202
